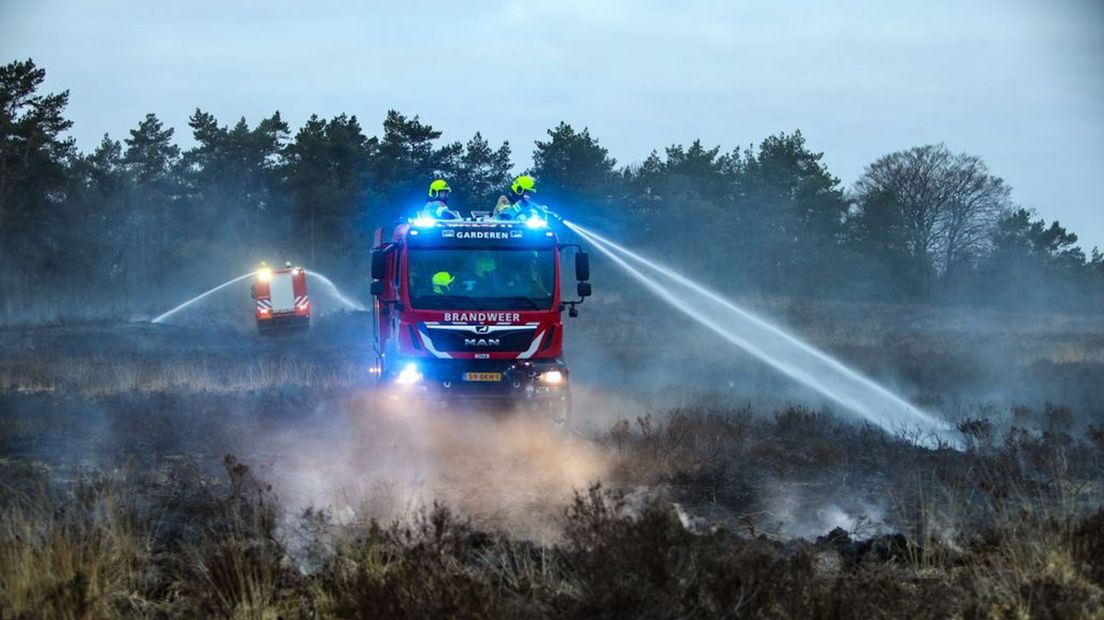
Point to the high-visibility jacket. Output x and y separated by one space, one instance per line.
439 210
507 211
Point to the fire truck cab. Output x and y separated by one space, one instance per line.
281 298
471 309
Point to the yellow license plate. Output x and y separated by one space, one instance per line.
482 376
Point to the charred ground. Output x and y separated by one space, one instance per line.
180 471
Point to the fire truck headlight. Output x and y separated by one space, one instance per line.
264 275
409 375
551 377
424 221
535 222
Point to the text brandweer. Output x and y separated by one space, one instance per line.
498 317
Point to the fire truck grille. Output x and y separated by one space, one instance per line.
480 338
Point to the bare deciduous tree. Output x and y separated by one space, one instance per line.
944 204
972 204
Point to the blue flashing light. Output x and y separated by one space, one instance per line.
409 375
536 222
424 221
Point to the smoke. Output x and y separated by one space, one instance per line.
506 472
808 515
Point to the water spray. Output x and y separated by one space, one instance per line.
666 295
758 321
191 301
771 344
336 292
328 283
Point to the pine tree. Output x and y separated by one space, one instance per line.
791 213
33 154
324 176
575 176
151 158
234 177
406 161
482 176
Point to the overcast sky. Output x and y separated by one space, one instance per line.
1019 83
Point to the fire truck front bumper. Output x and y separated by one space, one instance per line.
515 382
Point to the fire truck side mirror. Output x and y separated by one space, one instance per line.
584 289
379 264
377 288
582 266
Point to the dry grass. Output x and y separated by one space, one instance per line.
1008 528
97 376
109 506
84 556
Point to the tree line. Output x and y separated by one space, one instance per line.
138 219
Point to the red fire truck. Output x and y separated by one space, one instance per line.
471 309
281 297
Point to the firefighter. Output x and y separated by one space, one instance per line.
442 281
437 205
484 266
485 269
520 203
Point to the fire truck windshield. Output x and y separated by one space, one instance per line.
481 279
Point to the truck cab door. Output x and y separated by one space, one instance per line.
384 294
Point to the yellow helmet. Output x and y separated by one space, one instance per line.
441 281
524 183
438 186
